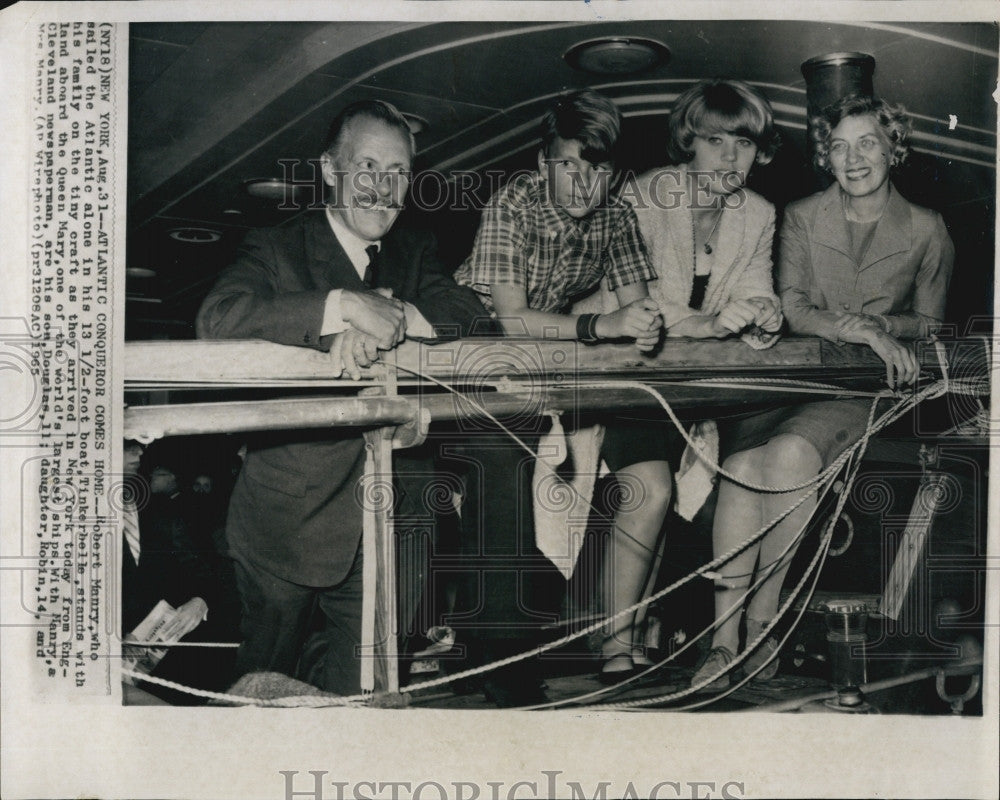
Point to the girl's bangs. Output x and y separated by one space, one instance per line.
741 122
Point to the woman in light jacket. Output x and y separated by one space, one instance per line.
858 263
709 239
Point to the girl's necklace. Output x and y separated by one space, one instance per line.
708 239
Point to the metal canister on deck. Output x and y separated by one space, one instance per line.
846 622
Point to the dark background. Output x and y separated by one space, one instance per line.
213 105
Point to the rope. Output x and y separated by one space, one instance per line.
777 385
816 563
886 419
934 390
718 467
158 645
824 475
737 605
315 701
942 357
642 387
858 449
635 606
872 427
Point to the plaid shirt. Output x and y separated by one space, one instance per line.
524 241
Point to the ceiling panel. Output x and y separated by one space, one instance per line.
180 33
214 183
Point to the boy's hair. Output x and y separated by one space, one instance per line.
587 117
370 109
722 106
893 120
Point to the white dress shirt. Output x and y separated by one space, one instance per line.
355 247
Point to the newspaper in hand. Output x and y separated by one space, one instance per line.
137 653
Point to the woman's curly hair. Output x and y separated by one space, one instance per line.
893 120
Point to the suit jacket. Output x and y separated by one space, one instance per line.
903 275
295 510
741 257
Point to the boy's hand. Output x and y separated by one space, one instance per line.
649 341
639 320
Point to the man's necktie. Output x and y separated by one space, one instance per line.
371 271
130 526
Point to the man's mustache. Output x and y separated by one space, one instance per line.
366 204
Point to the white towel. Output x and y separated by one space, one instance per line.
696 473
759 339
561 507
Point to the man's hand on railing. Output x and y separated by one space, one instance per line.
351 351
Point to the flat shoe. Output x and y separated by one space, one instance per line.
505 694
715 664
641 660
765 650
609 677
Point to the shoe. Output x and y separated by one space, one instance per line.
515 685
640 659
764 651
508 688
715 663
618 668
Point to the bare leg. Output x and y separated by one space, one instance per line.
738 513
798 460
785 460
633 545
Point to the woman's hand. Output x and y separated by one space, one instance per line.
769 316
187 618
639 320
852 327
735 317
900 363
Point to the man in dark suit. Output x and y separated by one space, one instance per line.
161 561
294 524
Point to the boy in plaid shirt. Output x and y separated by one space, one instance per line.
546 238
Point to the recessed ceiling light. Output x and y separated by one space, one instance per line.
190 235
617 55
276 188
417 123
